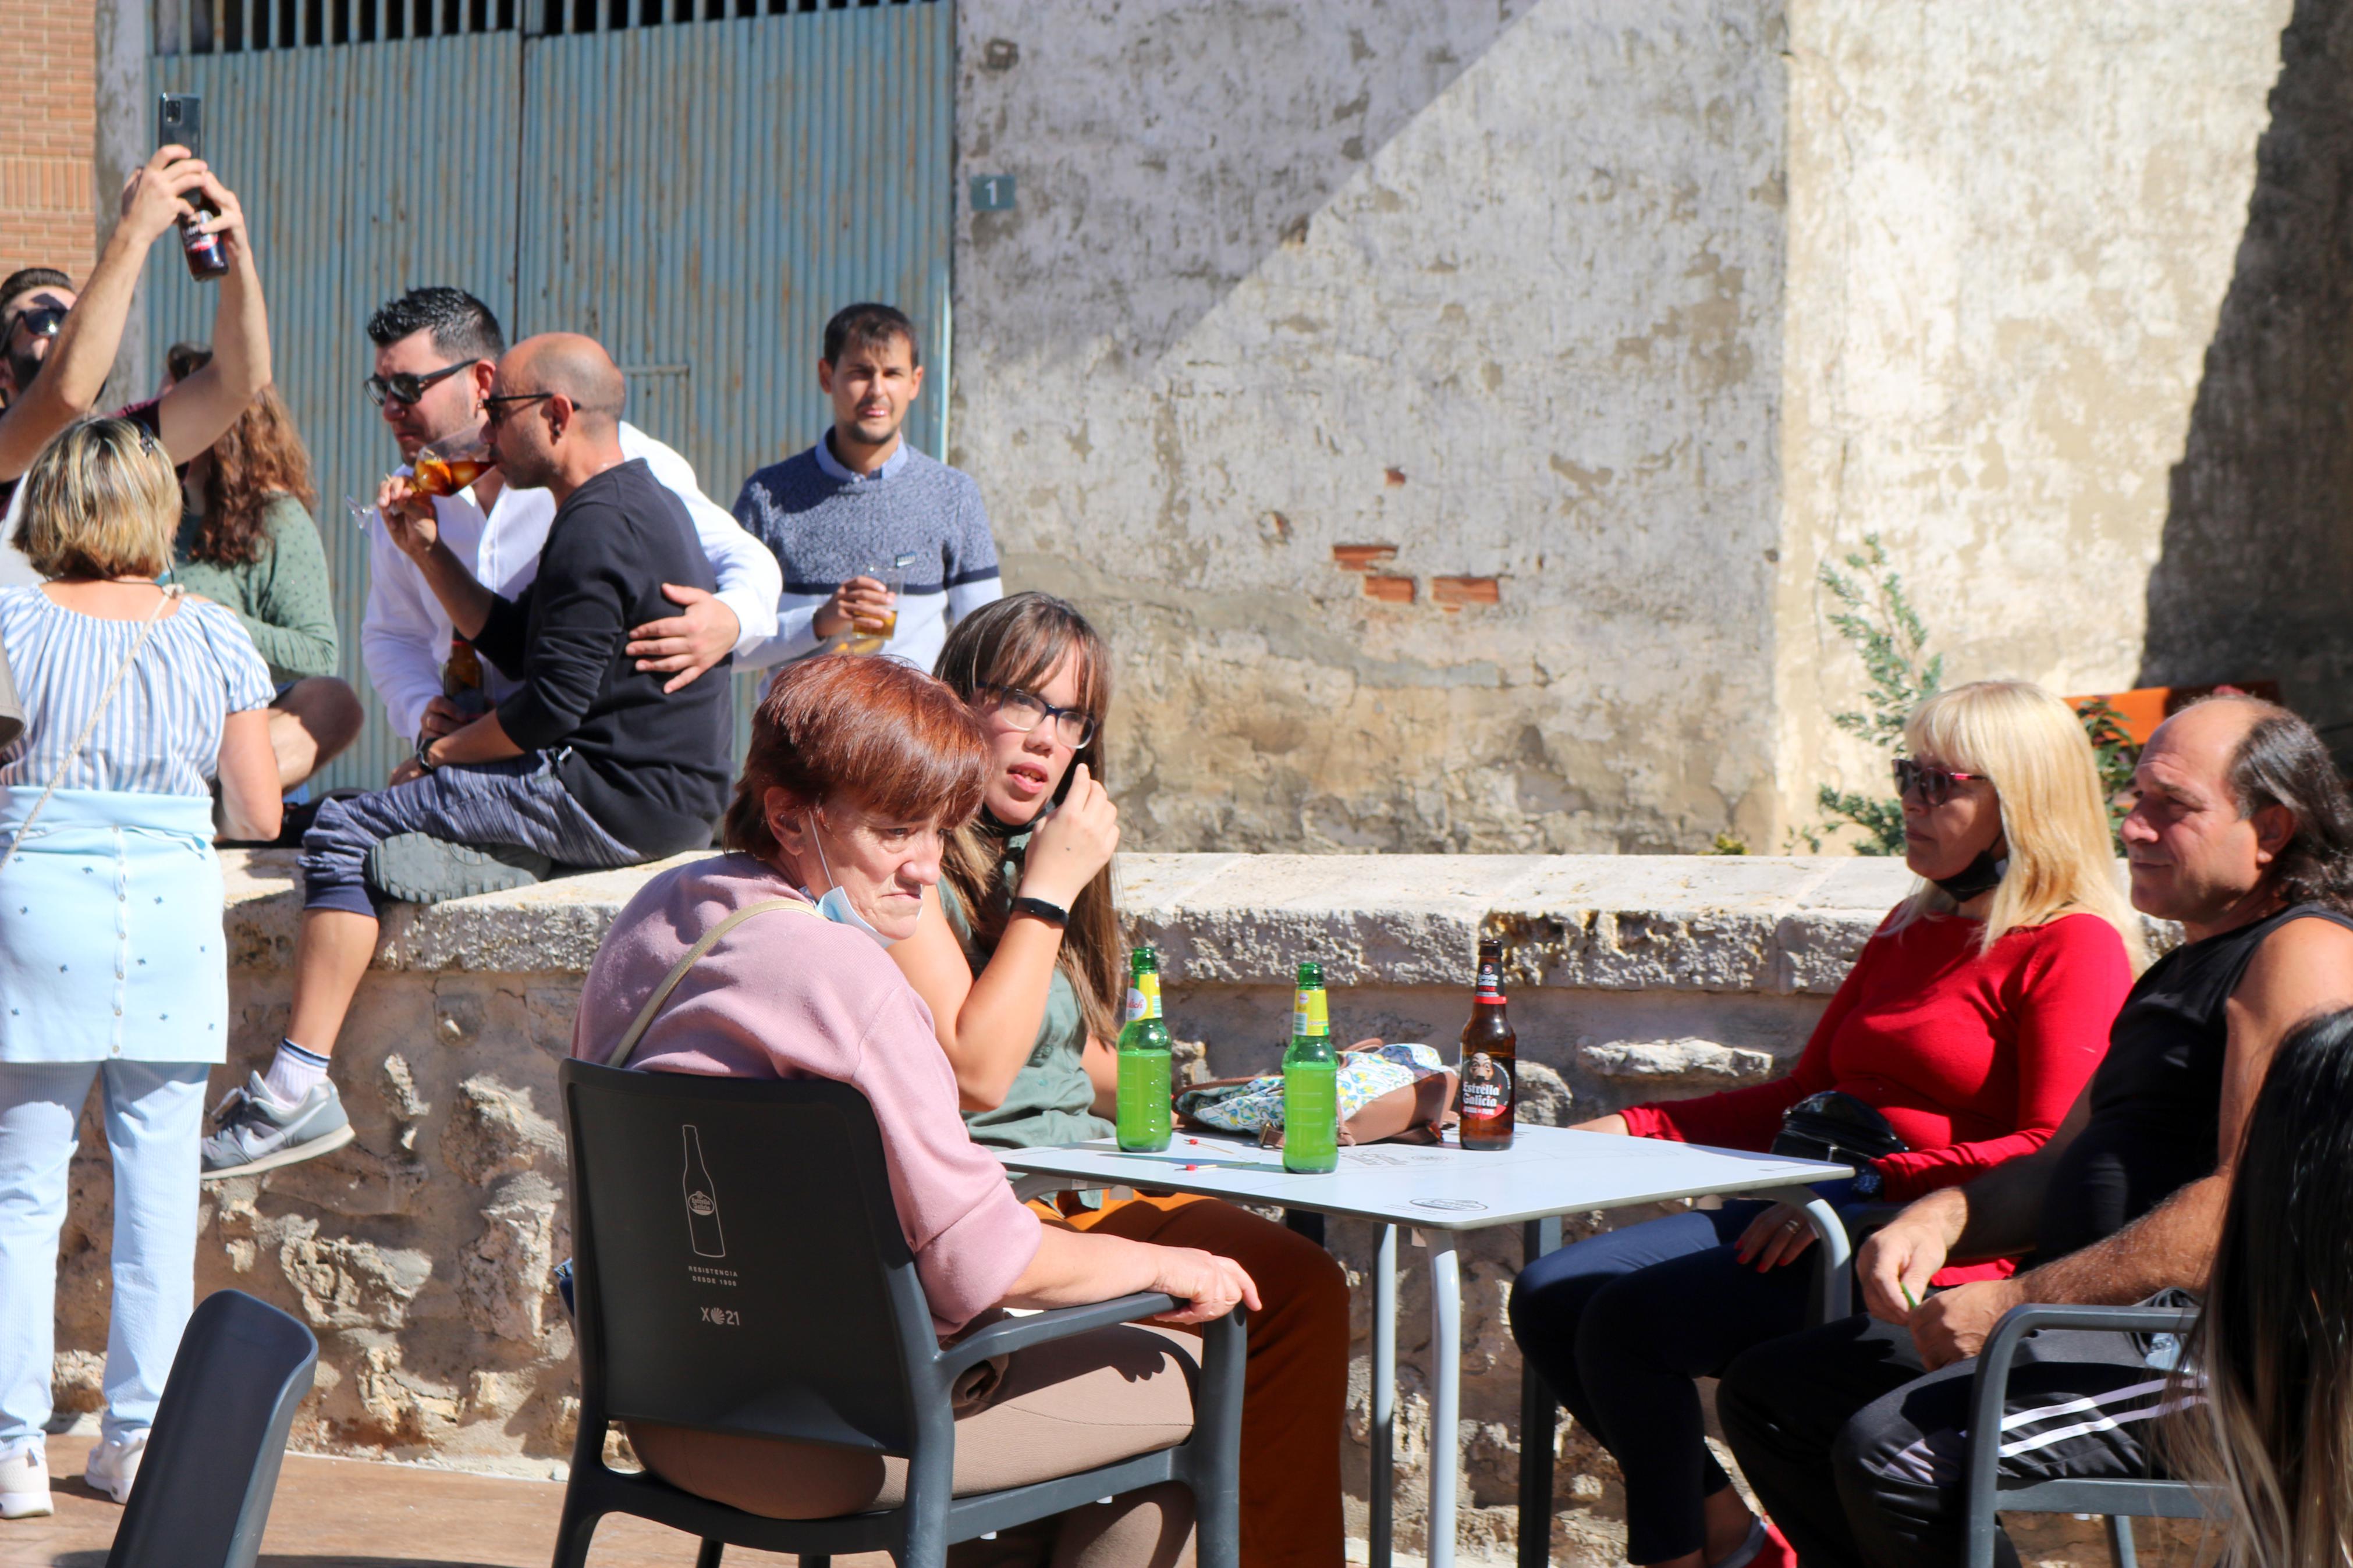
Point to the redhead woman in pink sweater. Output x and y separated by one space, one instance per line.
857 767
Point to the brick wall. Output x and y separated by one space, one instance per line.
48 58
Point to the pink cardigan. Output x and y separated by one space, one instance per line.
789 995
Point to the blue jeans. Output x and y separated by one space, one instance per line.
154 1124
1619 1324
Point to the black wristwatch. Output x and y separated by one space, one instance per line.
1053 914
425 752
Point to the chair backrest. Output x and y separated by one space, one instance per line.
212 1460
738 1262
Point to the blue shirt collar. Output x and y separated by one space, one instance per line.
833 468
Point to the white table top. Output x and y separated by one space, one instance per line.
1547 1171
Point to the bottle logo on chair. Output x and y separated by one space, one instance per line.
702 1202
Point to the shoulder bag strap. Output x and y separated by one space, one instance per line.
172 594
710 939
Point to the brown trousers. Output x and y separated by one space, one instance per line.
1068 1405
1295 1389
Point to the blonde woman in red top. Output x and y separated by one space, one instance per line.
1970 1020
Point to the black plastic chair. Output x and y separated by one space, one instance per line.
739 1268
2120 1499
211 1466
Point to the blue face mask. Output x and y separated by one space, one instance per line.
835 905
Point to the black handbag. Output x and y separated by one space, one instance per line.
1835 1126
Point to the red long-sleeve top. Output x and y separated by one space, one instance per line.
1974 1057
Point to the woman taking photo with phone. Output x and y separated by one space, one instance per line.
1017 954
1971 1021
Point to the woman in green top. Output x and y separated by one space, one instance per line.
247 541
1016 955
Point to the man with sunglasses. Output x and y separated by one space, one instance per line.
436 351
862 497
1852 1434
57 347
590 761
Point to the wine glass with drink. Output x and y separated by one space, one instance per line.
444 467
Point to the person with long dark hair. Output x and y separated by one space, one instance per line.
1016 955
2264 1399
248 541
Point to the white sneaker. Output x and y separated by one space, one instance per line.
25 1486
114 1465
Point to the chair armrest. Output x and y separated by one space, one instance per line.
1983 1459
1060 1323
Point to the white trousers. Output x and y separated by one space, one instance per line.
154 1126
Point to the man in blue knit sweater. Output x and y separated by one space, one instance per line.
861 498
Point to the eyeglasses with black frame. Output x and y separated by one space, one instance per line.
496 409
404 387
1025 710
1933 785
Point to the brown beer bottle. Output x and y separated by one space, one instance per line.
461 678
1490 1059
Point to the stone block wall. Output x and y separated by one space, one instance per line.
420 1254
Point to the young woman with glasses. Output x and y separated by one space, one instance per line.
1971 1021
1017 957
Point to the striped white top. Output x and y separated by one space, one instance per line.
163 733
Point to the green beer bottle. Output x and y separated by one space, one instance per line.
1145 1055
1311 1082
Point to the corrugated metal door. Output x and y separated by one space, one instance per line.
701 199
699 195
363 170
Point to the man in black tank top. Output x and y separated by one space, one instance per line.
1853 1433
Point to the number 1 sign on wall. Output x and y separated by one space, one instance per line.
992 193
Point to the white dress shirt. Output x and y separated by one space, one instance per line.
405 635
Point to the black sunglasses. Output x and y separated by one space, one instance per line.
402 386
41 321
1025 710
1933 785
496 409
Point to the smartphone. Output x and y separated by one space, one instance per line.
179 117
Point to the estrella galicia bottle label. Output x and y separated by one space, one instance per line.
1487 1088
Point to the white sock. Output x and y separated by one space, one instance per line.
292 1072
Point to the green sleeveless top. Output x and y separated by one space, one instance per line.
1052 1099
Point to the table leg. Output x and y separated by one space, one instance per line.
1445 1394
1537 1412
1384 1396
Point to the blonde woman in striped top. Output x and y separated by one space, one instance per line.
112 965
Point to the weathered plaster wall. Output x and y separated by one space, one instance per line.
2257 564
1495 287
2011 231
1638 315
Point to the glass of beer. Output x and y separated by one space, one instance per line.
871 636
450 464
